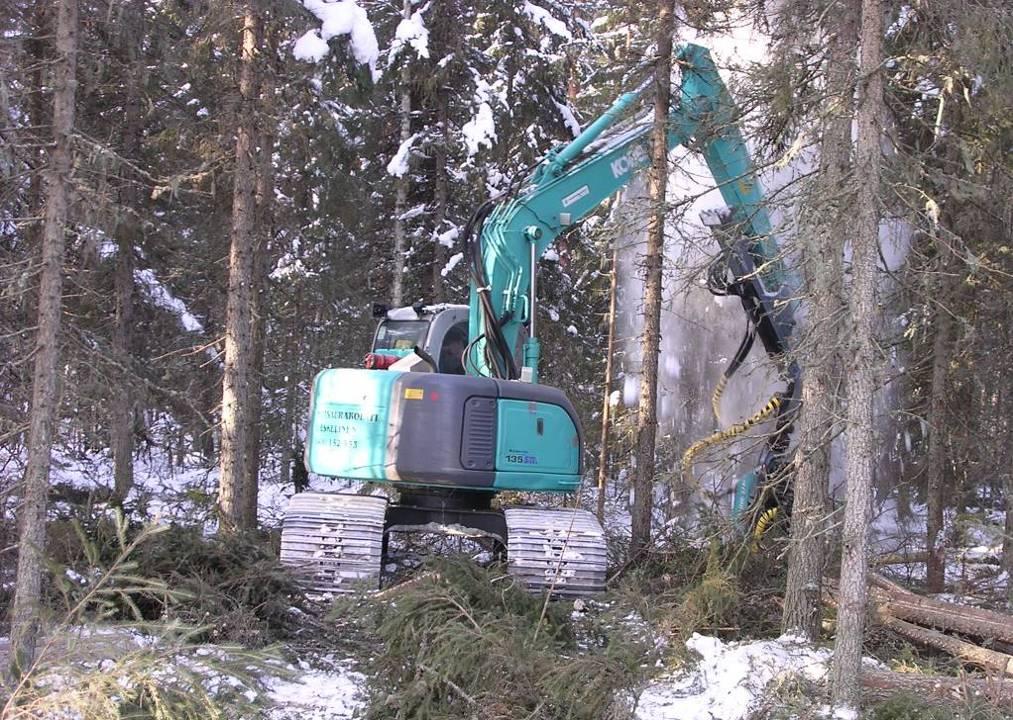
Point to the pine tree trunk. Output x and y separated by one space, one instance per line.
1004 456
441 198
647 417
401 183
606 406
45 393
264 229
121 415
128 235
861 383
823 270
233 491
1007 545
936 471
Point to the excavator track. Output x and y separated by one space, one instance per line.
334 542
559 551
335 545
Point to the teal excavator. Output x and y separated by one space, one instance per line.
448 409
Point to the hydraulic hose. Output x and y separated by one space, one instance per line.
740 355
723 435
767 520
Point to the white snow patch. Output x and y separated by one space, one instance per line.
164 299
569 119
107 248
447 238
317 694
413 212
552 255
480 130
347 18
451 264
541 16
730 679
398 164
412 32
310 47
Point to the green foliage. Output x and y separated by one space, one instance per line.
232 587
720 590
114 672
908 707
460 641
155 671
914 707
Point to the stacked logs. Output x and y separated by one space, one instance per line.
947 627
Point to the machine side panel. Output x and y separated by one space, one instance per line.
537 447
348 424
432 435
546 394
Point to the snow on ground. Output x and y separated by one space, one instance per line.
731 679
317 694
973 540
163 490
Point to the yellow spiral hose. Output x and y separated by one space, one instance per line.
722 435
719 390
766 521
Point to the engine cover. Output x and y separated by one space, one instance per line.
451 431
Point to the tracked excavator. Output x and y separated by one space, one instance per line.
448 409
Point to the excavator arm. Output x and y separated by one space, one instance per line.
506 237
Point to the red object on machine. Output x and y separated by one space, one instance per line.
378 361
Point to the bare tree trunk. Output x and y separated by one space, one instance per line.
1007 545
936 471
647 417
401 199
861 384
127 233
824 276
441 198
234 463
45 392
606 405
264 229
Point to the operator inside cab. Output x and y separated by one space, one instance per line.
452 352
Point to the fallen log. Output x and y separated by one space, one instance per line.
984 658
882 683
877 580
963 619
886 596
967 620
901 559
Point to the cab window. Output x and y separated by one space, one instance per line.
452 351
401 335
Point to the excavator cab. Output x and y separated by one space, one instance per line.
439 331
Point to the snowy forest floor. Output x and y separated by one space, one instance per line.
199 622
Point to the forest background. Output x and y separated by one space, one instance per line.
199 211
